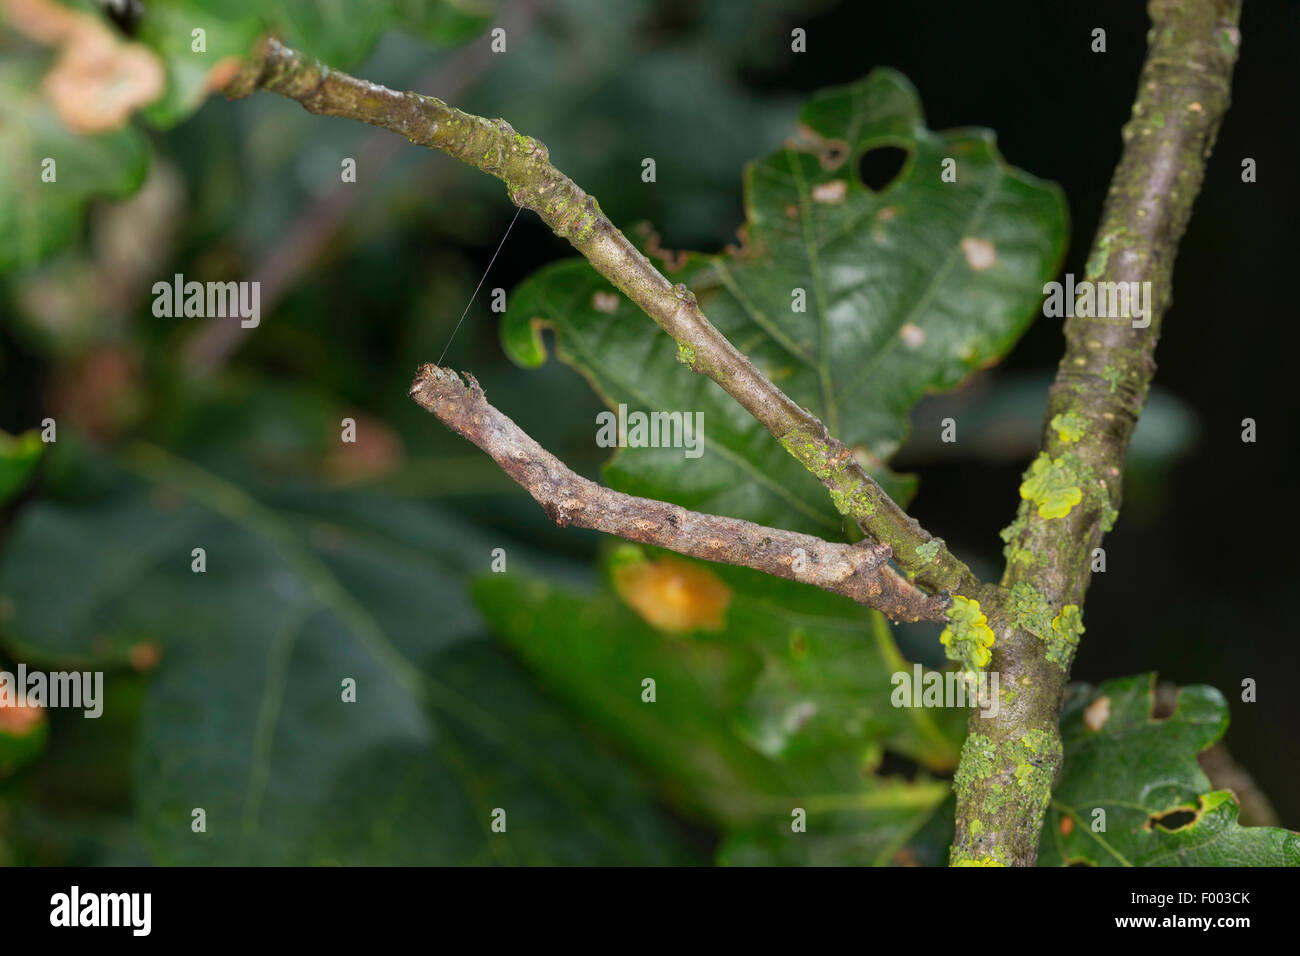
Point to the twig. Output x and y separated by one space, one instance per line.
523 164
860 572
283 262
1009 762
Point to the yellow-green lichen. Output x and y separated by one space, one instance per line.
1033 759
995 799
852 503
1051 485
978 861
686 354
967 639
1109 514
1069 426
1025 775
976 763
928 552
1067 628
1030 610
1011 534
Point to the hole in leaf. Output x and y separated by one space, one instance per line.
895 765
1172 820
125 16
835 152
879 167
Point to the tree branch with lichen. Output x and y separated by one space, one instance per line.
1027 629
1072 489
857 571
524 165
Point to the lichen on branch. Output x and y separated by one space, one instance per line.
1071 491
524 165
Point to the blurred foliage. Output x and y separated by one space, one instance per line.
327 560
18 459
47 171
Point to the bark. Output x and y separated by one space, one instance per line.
1009 763
857 571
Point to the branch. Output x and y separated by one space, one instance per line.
856 571
523 164
1093 407
285 258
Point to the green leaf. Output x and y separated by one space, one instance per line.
22 739
905 291
340 35
786 707
36 216
898 823
244 716
1138 769
19 456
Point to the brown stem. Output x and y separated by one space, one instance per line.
860 572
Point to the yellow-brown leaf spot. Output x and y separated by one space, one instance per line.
831 192
19 720
606 302
673 595
913 335
376 452
979 253
144 656
1096 714
98 80
101 392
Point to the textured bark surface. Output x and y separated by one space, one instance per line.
1009 763
860 572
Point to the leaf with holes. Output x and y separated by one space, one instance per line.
768 697
306 594
1131 792
854 301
